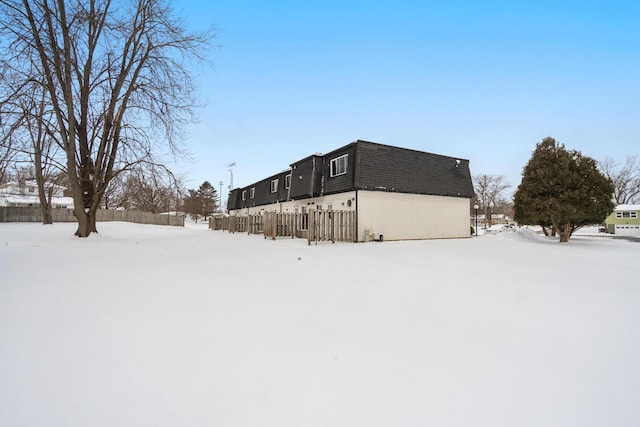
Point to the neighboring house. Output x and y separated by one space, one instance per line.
495 219
24 193
625 219
396 192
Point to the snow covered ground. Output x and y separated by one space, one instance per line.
159 326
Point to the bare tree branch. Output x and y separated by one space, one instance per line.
490 192
625 178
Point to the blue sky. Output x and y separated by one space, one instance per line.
480 80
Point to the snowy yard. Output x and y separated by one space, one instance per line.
159 326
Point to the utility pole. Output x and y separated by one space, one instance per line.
230 166
220 197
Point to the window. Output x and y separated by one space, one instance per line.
287 181
628 214
244 195
339 165
252 192
31 189
274 186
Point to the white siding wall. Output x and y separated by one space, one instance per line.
412 216
338 202
394 215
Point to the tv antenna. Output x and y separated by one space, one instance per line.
230 166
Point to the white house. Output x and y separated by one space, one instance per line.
24 193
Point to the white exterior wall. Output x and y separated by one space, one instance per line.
412 216
337 202
396 216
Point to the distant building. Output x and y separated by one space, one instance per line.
625 219
397 192
24 193
495 218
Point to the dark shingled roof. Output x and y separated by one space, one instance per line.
371 166
386 168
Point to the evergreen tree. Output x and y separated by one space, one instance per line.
208 198
201 202
562 189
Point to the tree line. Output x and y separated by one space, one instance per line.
150 191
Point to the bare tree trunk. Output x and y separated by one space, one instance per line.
565 233
45 202
91 221
81 216
47 217
86 222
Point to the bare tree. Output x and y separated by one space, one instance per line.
116 76
43 151
625 178
27 127
114 195
192 204
150 190
6 156
490 193
8 151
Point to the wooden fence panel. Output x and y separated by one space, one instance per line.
34 214
315 225
255 224
331 226
282 224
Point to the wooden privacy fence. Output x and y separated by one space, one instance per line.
284 224
251 224
34 214
314 225
139 217
332 225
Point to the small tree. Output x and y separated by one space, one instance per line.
192 204
562 189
